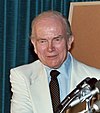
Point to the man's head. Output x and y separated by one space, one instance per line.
52 38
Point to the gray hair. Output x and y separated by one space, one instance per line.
52 14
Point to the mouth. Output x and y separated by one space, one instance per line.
52 57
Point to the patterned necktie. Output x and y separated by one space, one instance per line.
54 89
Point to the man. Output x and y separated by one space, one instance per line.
51 37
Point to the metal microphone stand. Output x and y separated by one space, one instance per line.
88 106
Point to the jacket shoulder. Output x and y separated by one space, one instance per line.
86 66
85 69
27 69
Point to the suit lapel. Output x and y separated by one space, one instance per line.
40 92
76 73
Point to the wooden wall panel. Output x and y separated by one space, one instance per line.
84 18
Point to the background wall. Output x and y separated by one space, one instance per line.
85 23
15 47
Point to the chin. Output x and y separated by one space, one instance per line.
53 66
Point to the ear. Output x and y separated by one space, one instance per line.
70 41
34 44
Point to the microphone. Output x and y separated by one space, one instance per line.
96 106
88 91
84 97
83 90
72 95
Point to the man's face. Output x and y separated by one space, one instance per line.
50 42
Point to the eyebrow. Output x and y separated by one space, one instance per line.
41 38
59 36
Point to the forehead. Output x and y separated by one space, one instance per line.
49 25
49 22
47 15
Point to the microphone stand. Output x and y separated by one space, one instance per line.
88 106
83 92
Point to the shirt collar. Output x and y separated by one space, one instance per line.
64 68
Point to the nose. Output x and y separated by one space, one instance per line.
51 46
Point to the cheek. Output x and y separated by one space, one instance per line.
63 47
63 51
40 50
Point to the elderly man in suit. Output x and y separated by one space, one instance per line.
52 38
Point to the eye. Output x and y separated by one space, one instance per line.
42 41
57 39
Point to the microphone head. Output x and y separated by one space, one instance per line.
79 86
98 85
92 82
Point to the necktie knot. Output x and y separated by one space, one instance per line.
54 74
